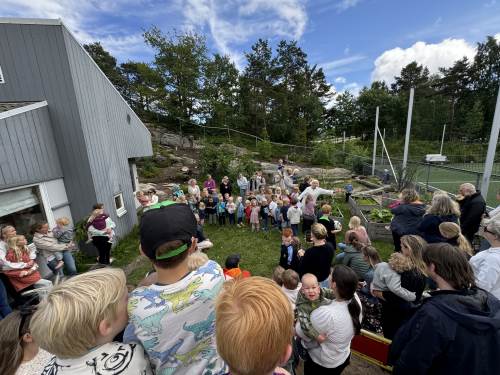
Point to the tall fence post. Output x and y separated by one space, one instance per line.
490 156
408 128
343 146
375 142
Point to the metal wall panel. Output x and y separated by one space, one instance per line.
22 161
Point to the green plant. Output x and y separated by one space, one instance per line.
365 201
80 230
214 161
265 149
322 153
381 215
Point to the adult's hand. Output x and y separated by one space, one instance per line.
379 294
301 253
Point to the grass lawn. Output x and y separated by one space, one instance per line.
259 251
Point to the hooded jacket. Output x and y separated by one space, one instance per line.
354 259
429 227
472 209
407 218
453 332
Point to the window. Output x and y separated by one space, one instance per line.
119 206
2 80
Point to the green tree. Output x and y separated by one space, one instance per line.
256 88
144 86
107 63
474 121
412 75
344 115
221 89
180 60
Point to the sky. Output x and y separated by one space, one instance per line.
354 41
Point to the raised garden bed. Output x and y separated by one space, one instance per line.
358 204
376 230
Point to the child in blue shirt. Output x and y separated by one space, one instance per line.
240 211
221 210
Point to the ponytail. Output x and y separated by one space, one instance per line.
464 244
346 282
354 310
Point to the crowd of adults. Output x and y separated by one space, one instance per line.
436 297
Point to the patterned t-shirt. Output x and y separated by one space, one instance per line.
176 323
108 359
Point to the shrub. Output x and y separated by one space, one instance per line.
265 149
214 161
322 153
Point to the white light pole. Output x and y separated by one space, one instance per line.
408 128
375 142
490 157
382 153
442 140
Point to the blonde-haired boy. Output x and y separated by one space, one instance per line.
78 321
245 307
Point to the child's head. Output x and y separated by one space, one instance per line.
286 236
294 201
318 231
254 202
274 197
247 202
279 203
310 287
168 235
354 222
233 261
229 199
326 209
62 221
211 199
140 193
226 196
371 255
290 279
84 311
286 202
201 206
263 202
309 198
17 244
246 306
296 189
278 275
16 338
219 196
239 199
277 191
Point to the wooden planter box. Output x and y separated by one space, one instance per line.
376 231
357 208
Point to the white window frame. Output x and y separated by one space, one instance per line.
122 210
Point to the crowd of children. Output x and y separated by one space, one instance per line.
193 317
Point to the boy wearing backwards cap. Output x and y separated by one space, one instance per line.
174 318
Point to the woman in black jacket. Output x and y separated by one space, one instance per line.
407 216
442 209
318 259
225 187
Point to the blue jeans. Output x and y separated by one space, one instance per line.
4 302
265 223
295 229
69 263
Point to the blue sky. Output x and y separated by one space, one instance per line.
355 41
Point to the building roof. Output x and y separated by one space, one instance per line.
8 109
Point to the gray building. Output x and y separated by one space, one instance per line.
67 137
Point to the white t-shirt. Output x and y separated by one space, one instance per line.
292 294
335 322
36 365
176 323
109 359
486 267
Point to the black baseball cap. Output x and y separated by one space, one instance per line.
164 222
232 261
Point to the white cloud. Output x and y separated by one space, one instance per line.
233 22
434 56
340 63
79 17
346 4
340 80
354 88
